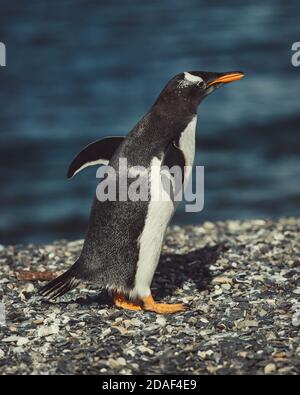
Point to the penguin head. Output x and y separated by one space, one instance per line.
193 86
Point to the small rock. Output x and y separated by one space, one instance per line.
233 226
271 367
161 321
44 331
271 336
121 361
120 328
218 292
136 322
262 313
250 323
22 341
38 321
245 323
204 320
279 356
29 288
271 302
116 363
222 280
10 339
144 349
106 332
211 369
208 225
226 287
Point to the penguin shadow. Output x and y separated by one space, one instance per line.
102 298
174 270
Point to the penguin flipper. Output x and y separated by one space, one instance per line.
97 153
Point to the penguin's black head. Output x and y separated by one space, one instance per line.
193 86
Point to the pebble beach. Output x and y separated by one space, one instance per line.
239 281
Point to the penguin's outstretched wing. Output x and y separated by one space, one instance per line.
97 153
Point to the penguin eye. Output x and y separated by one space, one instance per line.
184 84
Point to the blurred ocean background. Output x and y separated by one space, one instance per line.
80 70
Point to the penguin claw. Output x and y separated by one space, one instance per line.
161 308
123 303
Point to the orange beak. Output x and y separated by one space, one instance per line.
227 78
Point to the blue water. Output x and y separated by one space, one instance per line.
79 70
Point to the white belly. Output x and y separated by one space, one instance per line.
150 242
160 212
187 145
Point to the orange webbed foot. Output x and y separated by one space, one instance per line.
121 301
149 304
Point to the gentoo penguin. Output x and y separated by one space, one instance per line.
124 238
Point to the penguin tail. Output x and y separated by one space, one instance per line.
60 285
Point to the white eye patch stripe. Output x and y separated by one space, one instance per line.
192 78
